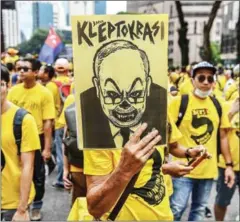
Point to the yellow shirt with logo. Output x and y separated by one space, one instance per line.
11 172
38 101
233 138
53 88
149 200
199 127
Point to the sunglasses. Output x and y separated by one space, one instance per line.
25 68
202 78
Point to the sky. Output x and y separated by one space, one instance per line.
113 7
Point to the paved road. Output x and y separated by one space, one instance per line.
57 203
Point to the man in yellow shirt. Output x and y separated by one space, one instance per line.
46 75
199 126
16 171
37 100
224 193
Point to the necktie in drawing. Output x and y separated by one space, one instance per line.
125 132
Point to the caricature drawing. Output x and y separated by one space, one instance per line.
122 97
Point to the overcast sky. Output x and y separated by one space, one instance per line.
114 7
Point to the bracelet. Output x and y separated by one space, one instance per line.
229 164
187 154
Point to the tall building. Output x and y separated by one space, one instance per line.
196 14
59 17
100 7
10 27
81 8
25 19
42 13
230 16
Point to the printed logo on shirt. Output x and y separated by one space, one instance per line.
199 119
153 191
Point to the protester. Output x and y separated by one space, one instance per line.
224 192
61 68
37 100
199 126
16 168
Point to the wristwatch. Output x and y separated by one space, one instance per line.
187 154
229 164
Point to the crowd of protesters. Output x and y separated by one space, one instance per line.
203 116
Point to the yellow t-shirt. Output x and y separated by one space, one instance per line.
232 92
70 99
186 87
38 101
199 127
149 199
233 138
57 102
11 172
63 79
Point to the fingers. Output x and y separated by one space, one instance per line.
151 145
145 140
136 136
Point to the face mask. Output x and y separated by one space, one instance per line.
202 94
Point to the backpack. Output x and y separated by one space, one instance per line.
64 89
17 128
74 154
182 111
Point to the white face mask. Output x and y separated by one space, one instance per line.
202 94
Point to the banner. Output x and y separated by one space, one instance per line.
120 74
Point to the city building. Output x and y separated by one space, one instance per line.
42 13
25 19
196 14
10 27
81 8
100 7
231 13
59 16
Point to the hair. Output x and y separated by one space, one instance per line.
36 64
10 66
49 70
111 47
5 75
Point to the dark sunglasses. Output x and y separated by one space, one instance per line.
25 68
202 78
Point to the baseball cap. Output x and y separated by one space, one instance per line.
203 65
62 63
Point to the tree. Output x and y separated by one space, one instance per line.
215 51
206 48
35 43
183 41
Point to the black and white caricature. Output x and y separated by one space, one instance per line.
125 90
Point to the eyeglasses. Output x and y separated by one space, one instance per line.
202 78
115 99
25 68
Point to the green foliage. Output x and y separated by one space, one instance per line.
215 48
35 43
128 13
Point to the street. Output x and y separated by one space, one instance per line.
57 203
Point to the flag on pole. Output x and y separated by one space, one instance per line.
52 47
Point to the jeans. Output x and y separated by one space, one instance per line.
59 154
183 187
39 176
